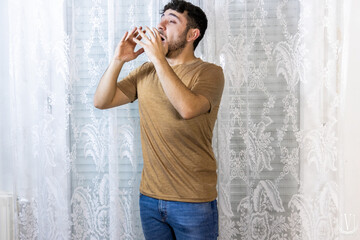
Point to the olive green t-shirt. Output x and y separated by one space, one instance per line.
179 163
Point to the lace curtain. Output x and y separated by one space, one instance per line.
77 169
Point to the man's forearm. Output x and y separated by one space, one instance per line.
187 103
106 89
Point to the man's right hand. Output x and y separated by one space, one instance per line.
107 94
125 50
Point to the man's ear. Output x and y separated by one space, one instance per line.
193 34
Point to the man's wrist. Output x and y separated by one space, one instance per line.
160 61
117 62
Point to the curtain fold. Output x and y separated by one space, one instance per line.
5 122
77 169
39 77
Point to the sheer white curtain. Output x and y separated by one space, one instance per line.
277 129
5 122
76 169
39 77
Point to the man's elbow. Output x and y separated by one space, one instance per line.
98 104
188 114
192 111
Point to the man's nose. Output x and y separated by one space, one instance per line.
161 26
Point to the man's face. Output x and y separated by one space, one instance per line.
173 30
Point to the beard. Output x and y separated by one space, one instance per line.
175 48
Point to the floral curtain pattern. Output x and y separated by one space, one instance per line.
276 139
277 126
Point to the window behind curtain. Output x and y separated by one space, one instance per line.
95 28
255 97
259 116
105 144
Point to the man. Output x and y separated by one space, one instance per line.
179 97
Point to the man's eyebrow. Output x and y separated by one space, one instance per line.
171 14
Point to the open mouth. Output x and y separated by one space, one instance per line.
162 37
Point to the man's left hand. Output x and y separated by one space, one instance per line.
152 45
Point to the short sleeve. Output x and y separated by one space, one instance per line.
210 84
128 85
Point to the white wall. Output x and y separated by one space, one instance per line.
351 134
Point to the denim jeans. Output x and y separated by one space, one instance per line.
163 219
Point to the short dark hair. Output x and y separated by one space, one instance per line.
196 17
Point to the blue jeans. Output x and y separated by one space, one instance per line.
163 219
